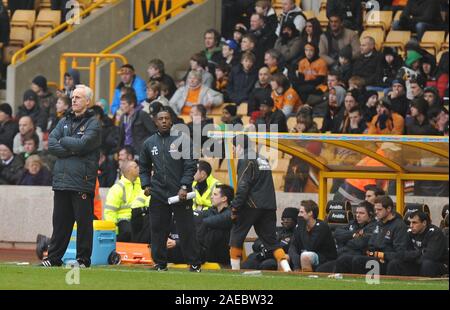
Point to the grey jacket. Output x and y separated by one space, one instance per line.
76 142
206 95
343 39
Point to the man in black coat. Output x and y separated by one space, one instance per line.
11 166
76 142
167 170
420 125
313 243
350 10
32 109
8 127
428 252
368 64
272 119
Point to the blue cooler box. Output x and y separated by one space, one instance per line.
104 243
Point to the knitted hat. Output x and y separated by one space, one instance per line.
30 95
399 81
40 81
232 109
290 213
412 57
6 108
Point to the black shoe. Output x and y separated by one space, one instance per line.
42 243
195 268
160 268
48 264
83 264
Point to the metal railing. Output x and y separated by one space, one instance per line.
21 54
94 63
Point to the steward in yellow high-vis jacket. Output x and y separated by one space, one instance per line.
203 185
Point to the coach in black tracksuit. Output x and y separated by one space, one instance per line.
254 205
169 156
428 252
76 142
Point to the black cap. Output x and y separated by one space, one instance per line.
6 108
232 109
30 95
290 213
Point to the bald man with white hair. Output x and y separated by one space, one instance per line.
368 64
76 143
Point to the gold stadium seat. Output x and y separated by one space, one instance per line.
278 180
45 4
309 14
397 15
242 109
432 41
20 36
217 110
291 122
445 44
377 34
379 19
323 19
23 18
398 39
46 21
319 122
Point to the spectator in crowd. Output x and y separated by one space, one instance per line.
265 37
313 243
119 199
35 174
230 117
350 10
230 53
71 80
411 71
289 44
291 13
63 104
199 128
320 103
264 8
431 96
419 16
135 125
240 30
248 44
222 78
47 100
373 192
389 238
5 30
170 176
30 146
261 258
438 117
345 64
312 73
352 239
391 62
312 34
368 64
107 170
199 63
369 106
336 38
153 95
284 95
428 253
254 204
420 125
110 132
26 128
271 119
127 153
242 79
416 88
11 166
397 98
156 73
32 109
272 60
386 122
8 127
213 48
215 226
128 78
355 123
203 186
334 116
442 76
194 93
350 103
429 68
261 89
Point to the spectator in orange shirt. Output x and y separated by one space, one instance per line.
284 96
312 72
386 122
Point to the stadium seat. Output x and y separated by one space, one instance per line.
377 34
20 36
397 15
45 4
323 19
337 218
217 110
309 14
432 41
46 21
338 206
23 18
319 122
278 180
379 19
242 109
398 39
291 122
445 44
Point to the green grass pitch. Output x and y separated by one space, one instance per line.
138 278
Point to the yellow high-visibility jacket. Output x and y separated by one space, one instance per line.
203 202
120 198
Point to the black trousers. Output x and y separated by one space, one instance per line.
161 219
264 221
253 262
70 207
124 234
427 268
